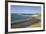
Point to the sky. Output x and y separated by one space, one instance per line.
25 9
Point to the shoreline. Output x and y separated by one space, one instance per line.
25 23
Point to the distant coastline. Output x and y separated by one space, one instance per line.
20 14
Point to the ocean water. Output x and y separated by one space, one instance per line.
19 17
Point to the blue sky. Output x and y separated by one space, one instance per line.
25 9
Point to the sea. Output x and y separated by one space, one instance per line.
19 17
